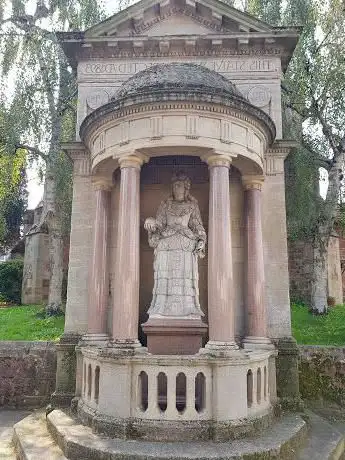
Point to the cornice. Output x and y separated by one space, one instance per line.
115 52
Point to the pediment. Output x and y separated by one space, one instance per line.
177 25
154 18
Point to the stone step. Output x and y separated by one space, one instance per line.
32 440
326 441
79 442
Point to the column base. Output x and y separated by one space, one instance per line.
220 349
95 339
256 343
126 347
174 336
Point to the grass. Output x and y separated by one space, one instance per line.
22 323
309 329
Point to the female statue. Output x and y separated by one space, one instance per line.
178 238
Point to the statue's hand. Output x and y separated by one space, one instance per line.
150 224
200 248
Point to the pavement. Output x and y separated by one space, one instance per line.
8 417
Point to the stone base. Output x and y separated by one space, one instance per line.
65 388
257 343
176 397
287 374
174 336
77 442
173 431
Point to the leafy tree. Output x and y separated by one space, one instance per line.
43 104
314 100
13 196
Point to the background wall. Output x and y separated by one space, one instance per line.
27 372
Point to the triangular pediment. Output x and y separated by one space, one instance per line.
177 24
173 17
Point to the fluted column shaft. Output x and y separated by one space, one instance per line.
99 282
255 281
220 275
126 291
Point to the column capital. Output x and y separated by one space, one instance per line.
251 182
101 183
135 160
218 160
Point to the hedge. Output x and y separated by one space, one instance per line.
11 275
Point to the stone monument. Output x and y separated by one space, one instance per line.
166 87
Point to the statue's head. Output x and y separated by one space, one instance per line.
180 186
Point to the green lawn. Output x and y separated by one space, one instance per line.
22 323
318 330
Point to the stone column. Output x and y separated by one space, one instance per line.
126 292
256 332
78 275
99 281
220 277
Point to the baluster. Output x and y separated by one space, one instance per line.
190 411
171 412
152 409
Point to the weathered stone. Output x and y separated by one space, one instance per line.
287 374
27 372
77 441
66 371
322 374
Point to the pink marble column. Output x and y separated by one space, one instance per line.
220 277
256 331
99 281
126 289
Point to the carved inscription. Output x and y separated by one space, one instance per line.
189 12
219 65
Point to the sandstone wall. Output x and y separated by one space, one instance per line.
300 270
301 266
27 373
322 374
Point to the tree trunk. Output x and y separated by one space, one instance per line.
56 266
50 218
319 283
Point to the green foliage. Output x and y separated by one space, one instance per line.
11 276
313 107
22 323
309 329
13 195
303 200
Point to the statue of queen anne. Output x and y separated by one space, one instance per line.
178 238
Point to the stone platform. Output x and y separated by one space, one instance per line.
62 437
79 442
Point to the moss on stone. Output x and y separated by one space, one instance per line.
322 375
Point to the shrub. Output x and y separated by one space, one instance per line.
11 275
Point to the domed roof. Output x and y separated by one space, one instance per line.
178 77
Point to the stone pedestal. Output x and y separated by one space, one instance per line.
174 336
287 373
66 372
